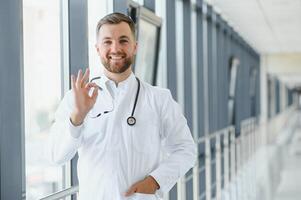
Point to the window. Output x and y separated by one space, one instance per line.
43 89
253 81
233 68
96 10
148 32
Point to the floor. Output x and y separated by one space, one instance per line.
290 182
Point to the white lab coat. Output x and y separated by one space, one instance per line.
114 155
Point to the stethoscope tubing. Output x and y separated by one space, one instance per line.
131 120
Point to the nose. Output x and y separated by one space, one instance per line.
115 47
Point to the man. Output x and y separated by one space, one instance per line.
120 125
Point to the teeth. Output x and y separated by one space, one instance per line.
116 57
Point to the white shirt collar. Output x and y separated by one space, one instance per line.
104 82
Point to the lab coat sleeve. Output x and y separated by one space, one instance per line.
65 138
178 143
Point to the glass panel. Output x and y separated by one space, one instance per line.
189 190
96 10
42 79
202 184
145 59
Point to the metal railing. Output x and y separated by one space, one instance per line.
62 194
229 155
235 153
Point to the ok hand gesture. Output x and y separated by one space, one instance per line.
83 101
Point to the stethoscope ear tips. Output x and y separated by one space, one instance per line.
131 121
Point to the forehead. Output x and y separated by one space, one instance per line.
115 30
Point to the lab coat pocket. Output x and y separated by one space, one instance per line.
141 196
145 138
95 133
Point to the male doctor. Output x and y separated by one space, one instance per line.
121 126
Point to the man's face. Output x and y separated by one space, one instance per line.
116 47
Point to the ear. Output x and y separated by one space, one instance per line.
135 47
97 48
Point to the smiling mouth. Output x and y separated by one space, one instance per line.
113 57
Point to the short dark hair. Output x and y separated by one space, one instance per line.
116 18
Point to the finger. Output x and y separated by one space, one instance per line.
95 93
78 79
88 86
131 191
73 82
85 77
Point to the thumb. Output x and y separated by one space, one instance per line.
131 191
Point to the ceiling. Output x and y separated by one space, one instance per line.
269 26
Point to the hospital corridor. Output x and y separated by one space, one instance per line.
150 100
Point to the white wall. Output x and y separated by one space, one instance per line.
284 63
286 67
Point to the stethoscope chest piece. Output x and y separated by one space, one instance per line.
131 121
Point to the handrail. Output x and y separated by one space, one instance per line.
214 134
61 194
227 144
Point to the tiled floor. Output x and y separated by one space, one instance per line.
290 184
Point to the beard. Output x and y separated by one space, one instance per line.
117 66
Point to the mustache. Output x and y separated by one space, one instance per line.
117 54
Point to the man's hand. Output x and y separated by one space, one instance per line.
83 101
147 186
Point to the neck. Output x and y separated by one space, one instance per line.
118 77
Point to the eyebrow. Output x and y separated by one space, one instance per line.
121 37
124 37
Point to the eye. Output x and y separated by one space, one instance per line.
123 41
107 42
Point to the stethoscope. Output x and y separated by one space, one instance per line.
131 120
